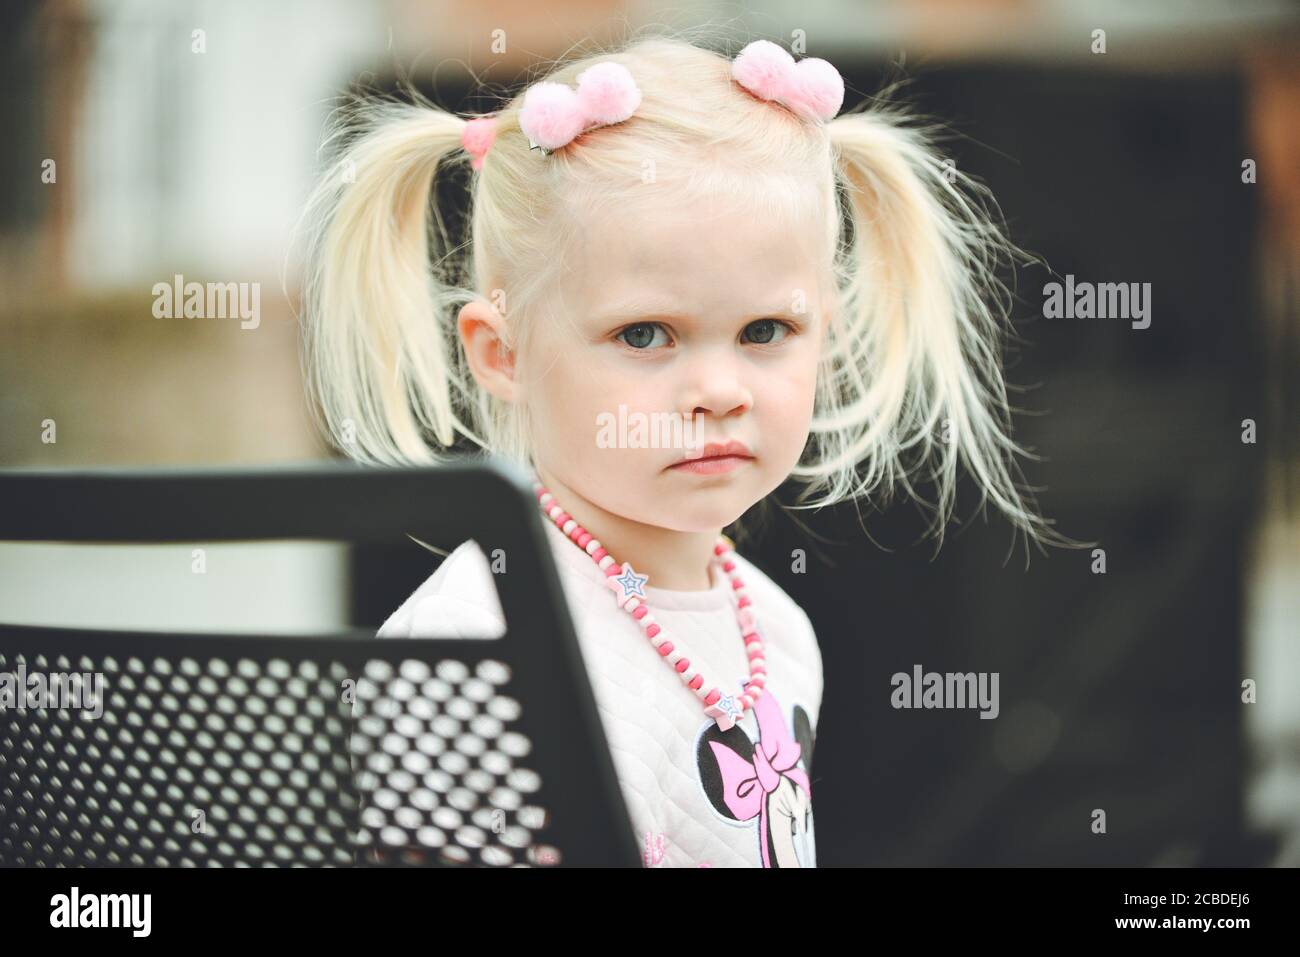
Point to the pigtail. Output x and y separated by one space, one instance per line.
382 362
913 370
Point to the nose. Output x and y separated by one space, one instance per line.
716 385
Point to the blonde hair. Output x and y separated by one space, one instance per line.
910 382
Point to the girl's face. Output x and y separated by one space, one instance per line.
705 325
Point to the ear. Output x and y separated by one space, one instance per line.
806 736
706 763
485 337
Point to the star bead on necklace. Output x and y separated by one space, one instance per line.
629 594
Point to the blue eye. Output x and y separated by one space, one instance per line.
767 330
640 336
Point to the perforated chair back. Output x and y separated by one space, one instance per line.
276 750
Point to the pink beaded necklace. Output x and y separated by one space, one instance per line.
628 587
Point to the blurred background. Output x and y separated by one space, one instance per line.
1150 143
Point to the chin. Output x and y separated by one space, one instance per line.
711 520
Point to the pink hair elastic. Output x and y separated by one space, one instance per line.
812 88
553 113
477 138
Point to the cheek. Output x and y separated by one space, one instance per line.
574 390
790 391
784 413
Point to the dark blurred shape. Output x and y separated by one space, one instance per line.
1120 691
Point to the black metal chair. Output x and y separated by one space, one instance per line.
254 750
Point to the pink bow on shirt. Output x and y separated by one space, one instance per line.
747 783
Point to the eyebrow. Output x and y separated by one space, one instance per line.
640 310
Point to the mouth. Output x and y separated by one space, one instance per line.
716 459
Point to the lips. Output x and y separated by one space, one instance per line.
715 450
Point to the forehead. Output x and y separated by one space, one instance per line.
712 253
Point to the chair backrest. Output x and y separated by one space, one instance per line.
157 749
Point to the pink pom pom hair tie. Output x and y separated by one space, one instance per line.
811 88
477 138
553 113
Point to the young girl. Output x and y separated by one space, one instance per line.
668 231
